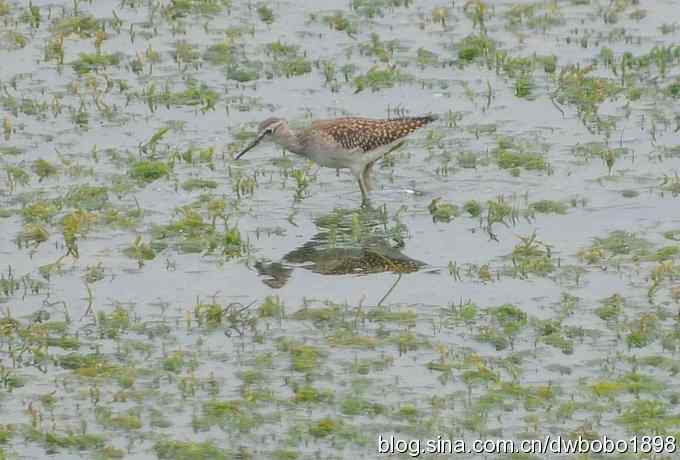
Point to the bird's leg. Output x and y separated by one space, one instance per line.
362 187
366 175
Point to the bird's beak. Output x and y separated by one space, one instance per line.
251 145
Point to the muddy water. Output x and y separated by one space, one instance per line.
265 313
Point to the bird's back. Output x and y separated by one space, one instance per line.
367 134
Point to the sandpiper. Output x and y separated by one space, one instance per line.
342 143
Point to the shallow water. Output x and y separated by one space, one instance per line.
262 313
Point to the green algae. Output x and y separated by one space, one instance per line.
44 169
610 308
532 256
329 313
87 197
199 184
475 48
93 62
442 211
149 171
236 413
473 208
272 307
310 395
377 79
508 159
187 450
548 207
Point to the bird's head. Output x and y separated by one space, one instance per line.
268 129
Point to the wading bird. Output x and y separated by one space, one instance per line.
343 143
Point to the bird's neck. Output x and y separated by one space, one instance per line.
290 142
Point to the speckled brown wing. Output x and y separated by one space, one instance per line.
369 134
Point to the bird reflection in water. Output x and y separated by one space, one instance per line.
349 242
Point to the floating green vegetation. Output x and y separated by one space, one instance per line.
287 60
477 372
350 339
548 207
33 234
328 313
196 235
442 212
236 414
76 225
304 358
630 383
12 40
426 58
294 67
577 87
642 331
617 244
385 315
610 308
372 8
187 450
339 22
242 74
114 323
108 419
379 50
90 365
272 307
324 427
306 394
150 170
199 184
534 16
181 8
87 197
475 48
16 176
210 314
195 94
533 257
511 320
673 89
265 13
666 253
499 211
81 25
673 235
44 169
672 184
39 211
353 406
85 441
186 52
648 416
140 251
552 332
92 62
379 78
174 362
220 53
10 150
524 85
473 208
511 156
